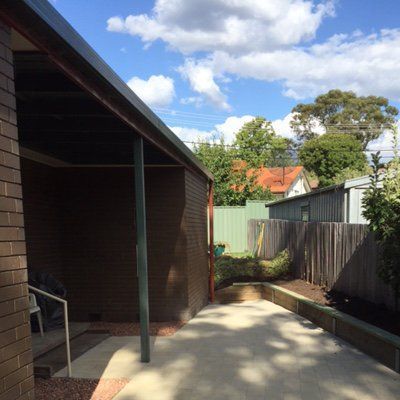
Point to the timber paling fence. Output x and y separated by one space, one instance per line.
339 256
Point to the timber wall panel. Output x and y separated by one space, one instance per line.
42 217
197 247
16 372
80 227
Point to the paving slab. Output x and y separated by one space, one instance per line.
250 350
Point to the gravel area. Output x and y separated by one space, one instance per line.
77 389
133 328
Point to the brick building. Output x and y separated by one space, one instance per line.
74 142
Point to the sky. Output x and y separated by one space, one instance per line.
207 66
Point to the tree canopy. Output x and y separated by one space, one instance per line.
259 145
330 154
364 117
231 187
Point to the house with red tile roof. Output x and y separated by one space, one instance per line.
282 181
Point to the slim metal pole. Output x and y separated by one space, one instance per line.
211 238
66 324
141 239
67 340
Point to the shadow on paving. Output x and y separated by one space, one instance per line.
253 350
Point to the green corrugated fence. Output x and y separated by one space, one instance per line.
230 224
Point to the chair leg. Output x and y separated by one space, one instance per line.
39 317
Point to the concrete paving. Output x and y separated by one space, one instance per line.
253 350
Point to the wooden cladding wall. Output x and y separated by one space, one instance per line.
196 235
340 256
16 372
42 217
80 227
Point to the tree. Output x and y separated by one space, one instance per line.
382 209
330 154
349 173
259 145
364 117
219 159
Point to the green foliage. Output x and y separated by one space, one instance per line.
364 117
382 209
280 265
259 145
329 154
349 173
219 158
228 267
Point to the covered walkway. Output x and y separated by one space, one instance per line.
253 350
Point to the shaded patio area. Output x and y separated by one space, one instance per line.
252 350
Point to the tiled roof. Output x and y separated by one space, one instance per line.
277 179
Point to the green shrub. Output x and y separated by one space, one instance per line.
280 265
228 267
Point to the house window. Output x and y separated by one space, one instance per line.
305 213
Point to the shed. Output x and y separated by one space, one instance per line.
94 189
336 203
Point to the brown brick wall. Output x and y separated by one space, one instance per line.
196 229
86 232
16 377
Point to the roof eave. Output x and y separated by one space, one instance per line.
48 17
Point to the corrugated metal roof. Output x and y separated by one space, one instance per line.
50 16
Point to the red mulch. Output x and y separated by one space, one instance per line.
133 328
77 389
375 314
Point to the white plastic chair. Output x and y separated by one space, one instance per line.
35 309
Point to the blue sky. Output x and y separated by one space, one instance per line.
202 63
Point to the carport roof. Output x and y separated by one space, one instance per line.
48 30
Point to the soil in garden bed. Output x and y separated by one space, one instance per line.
378 315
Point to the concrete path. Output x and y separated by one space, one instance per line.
253 350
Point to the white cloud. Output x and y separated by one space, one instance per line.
235 26
157 91
231 126
201 80
227 129
282 127
269 41
197 101
192 134
366 64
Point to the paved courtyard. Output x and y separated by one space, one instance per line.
253 350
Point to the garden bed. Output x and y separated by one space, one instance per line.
374 314
245 268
